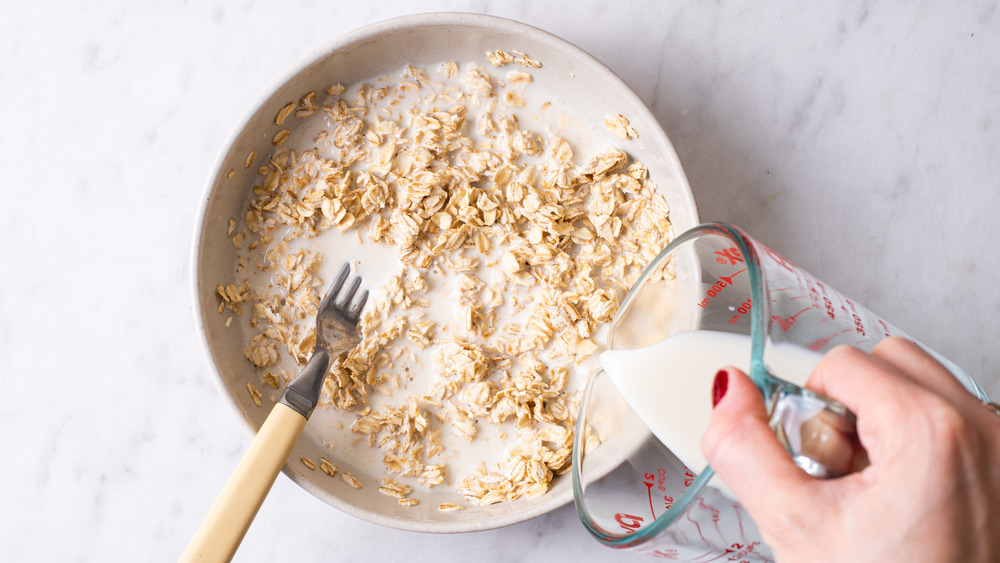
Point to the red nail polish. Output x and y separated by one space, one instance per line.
719 386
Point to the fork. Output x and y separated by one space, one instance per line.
223 528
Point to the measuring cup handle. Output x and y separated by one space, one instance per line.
820 433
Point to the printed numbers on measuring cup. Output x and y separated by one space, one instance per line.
859 326
658 479
717 288
663 497
628 522
743 309
739 550
827 303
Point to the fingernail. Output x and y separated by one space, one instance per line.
719 386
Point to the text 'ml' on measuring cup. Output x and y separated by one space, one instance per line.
713 297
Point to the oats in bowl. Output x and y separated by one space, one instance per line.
503 226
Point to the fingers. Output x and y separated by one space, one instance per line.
742 449
887 390
916 363
912 417
864 383
858 379
920 366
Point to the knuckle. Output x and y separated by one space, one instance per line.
839 355
949 427
842 351
894 345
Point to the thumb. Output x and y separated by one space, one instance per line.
743 450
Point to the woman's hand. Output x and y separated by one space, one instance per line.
930 493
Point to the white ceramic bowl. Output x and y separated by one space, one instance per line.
568 74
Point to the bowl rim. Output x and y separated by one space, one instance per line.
314 56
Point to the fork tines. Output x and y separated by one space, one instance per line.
344 305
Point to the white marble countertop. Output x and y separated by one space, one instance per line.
859 139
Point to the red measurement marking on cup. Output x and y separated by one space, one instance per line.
712 511
730 256
628 522
859 326
885 327
827 302
656 487
665 553
822 343
739 517
817 294
657 482
717 288
649 480
743 309
779 260
785 323
691 517
740 550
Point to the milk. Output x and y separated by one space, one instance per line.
669 384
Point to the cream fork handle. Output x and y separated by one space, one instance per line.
223 528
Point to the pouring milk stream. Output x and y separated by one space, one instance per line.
665 383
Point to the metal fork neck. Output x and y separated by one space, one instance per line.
302 394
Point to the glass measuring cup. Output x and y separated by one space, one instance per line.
634 484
